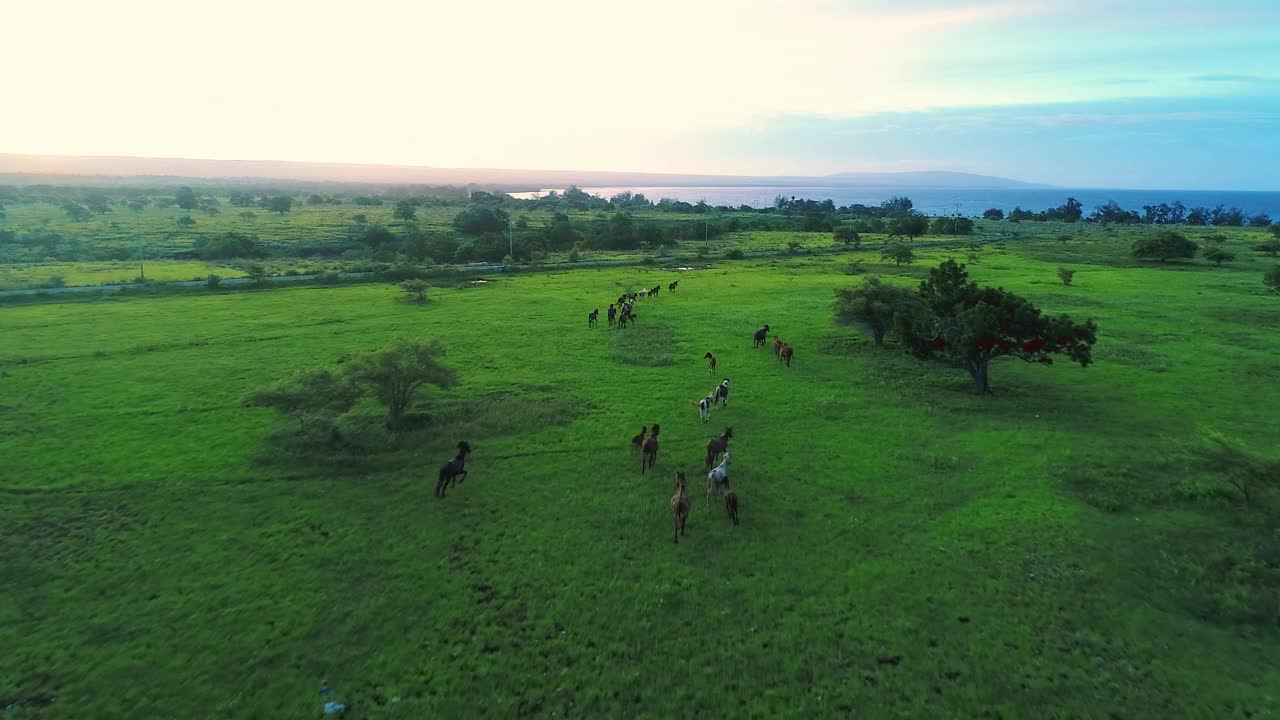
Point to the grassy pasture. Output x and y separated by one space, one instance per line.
1046 551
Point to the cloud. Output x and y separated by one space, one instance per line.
1231 78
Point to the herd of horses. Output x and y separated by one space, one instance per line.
645 444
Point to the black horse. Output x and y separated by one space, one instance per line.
760 336
453 471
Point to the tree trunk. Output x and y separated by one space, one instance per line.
978 371
878 334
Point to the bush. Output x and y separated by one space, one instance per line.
855 268
404 271
1270 247
415 289
1066 275
734 254
993 214
899 254
54 281
1064 239
212 282
186 220
1217 256
331 277
573 256
1272 278
952 226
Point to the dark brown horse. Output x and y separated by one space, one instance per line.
680 505
731 504
718 446
649 452
453 470
760 336
787 352
638 440
711 363
593 317
777 347
672 286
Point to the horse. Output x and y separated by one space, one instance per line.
649 452
613 314
653 431
625 317
450 472
704 408
722 393
593 317
787 352
711 363
718 479
760 335
777 347
731 504
656 291
680 506
718 445
672 286
638 440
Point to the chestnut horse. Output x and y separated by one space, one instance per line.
649 451
680 505
718 445
711 363
787 352
777 347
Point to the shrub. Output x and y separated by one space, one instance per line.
331 277
415 289
186 220
212 281
734 254
1066 275
573 256
855 268
1270 247
1217 256
993 214
1272 278
54 281
899 254
1064 239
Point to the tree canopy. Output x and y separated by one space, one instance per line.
186 198
872 305
964 325
1164 245
899 254
393 375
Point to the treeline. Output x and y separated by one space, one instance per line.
1163 214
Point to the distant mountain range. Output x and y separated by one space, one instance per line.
56 168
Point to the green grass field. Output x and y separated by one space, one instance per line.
1046 551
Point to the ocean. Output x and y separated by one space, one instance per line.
947 201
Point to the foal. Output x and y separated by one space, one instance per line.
593 317
451 470
718 445
760 336
704 408
649 451
731 504
680 505
711 363
722 393
638 440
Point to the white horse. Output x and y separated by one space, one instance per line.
718 478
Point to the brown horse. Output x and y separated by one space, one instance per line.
649 452
787 352
638 440
731 504
593 317
680 506
711 363
718 446
777 347
672 286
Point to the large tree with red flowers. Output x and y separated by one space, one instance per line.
968 326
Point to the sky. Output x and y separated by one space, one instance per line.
1079 93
